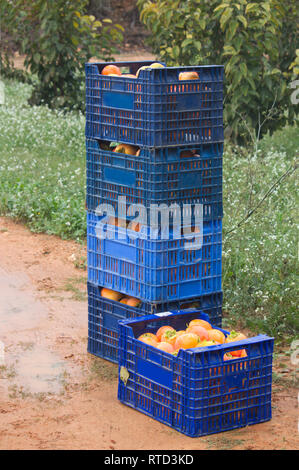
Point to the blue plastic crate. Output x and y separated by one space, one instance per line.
154 270
196 392
156 109
104 315
156 176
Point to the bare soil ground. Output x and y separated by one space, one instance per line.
54 395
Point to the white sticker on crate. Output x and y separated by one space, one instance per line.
163 314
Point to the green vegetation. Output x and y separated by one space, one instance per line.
102 370
42 160
42 183
255 41
260 274
57 39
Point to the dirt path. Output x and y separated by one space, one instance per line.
53 394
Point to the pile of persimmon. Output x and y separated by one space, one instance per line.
119 297
115 71
198 333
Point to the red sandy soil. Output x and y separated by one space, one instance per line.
54 395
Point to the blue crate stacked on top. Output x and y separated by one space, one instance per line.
176 128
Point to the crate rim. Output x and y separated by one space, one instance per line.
160 146
152 148
136 62
216 227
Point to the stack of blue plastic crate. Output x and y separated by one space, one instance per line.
177 125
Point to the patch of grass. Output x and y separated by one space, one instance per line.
77 293
26 346
20 393
103 370
81 263
7 372
223 443
77 280
17 392
42 165
260 265
64 378
283 141
286 379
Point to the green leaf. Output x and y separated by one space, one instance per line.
97 24
197 44
168 17
229 50
266 6
119 26
245 89
251 7
225 17
202 23
231 65
233 28
124 375
175 51
221 7
251 82
186 42
242 20
243 68
74 41
36 58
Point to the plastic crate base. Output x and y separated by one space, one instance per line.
104 315
214 424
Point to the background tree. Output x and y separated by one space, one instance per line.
9 42
255 41
57 39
